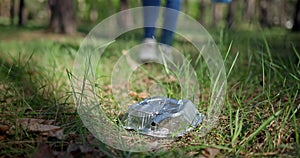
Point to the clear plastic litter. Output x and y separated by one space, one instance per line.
163 117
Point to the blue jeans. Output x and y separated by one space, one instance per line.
170 19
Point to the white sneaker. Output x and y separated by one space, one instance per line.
151 52
148 51
165 53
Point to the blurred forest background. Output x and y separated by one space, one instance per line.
258 40
66 16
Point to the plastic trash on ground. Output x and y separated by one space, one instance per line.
163 117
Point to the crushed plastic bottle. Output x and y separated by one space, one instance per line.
163 117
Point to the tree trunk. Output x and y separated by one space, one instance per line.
265 15
231 13
12 11
125 20
21 11
202 6
249 10
282 7
217 13
62 18
296 26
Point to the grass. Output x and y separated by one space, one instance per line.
260 116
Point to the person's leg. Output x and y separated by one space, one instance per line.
150 17
170 21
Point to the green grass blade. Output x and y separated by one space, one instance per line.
260 128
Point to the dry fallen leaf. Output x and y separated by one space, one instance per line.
43 151
210 152
167 78
192 153
44 127
83 150
73 150
3 128
142 95
2 137
172 78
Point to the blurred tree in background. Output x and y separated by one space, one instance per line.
21 13
12 11
126 20
296 26
231 13
63 16
265 13
249 10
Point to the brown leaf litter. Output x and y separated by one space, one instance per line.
43 127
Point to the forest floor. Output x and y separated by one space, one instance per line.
260 115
